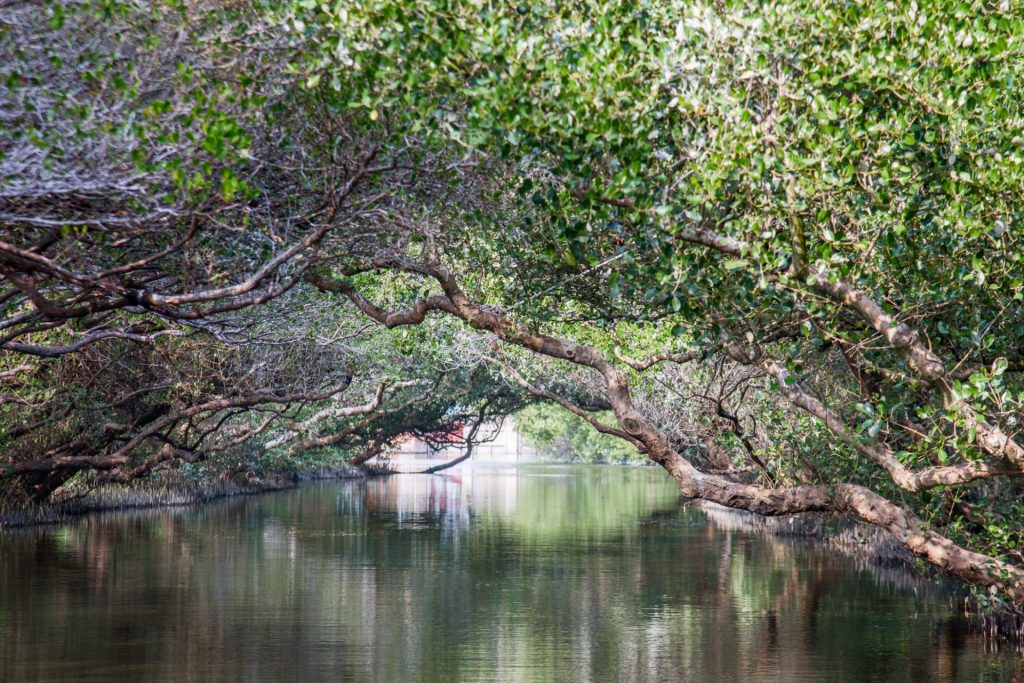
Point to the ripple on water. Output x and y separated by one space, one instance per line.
538 574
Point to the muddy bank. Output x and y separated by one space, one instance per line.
151 494
139 495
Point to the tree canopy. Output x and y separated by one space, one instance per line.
780 243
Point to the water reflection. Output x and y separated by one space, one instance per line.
537 574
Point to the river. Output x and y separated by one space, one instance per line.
539 573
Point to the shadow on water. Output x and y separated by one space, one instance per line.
531 574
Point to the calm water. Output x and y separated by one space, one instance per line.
536 574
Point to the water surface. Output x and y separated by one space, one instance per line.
531 574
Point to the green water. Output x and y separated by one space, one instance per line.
531 574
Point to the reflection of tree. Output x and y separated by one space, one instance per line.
488 577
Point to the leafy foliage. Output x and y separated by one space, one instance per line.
563 436
793 227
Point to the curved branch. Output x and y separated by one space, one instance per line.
842 498
245 435
57 351
470 444
650 361
122 455
413 316
312 442
878 452
7 375
906 340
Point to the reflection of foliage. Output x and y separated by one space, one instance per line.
557 505
563 436
567 573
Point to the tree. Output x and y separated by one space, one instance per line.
792 188
780 242
166 180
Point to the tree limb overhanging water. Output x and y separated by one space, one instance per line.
774 249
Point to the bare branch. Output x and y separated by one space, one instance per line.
92 338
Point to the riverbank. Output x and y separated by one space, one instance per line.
139 495
172 493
